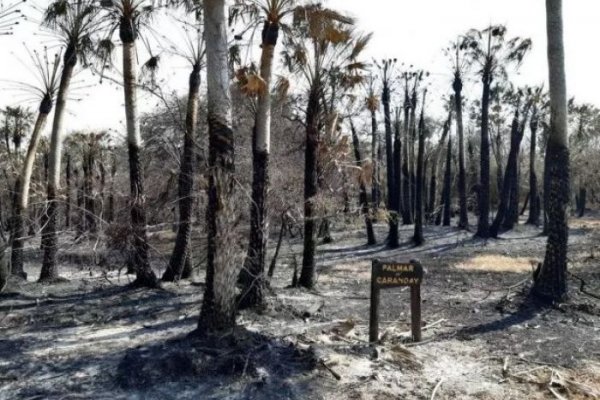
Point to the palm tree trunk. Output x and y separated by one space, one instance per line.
447 191
49 270
392 241
484 163
68 170
418 238
551 282
307 274
463 219
252 275
398 169
406 182
141 264
375 188
363 198
218 305
534 197
23 193
177 264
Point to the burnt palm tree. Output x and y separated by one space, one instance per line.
387 70
129 17
418 238
551 281
219 303
48 70
323 41
492 52
272 15
75 23
460 65
180 262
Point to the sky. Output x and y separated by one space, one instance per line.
415 32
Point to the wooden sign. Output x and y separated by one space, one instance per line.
385 275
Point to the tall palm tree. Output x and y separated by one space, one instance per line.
74 23
323 41
219 303
460 64
551 281
492 52
271 14
129 17
418 238
48 70
387 70
180 262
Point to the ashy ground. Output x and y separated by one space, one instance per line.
483 338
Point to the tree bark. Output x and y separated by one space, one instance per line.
407 215
534 197
141 263
375 184
363 198
219 303
18 235
418 238
392 240
49 271
483 226
307 274
180 256
463 221
551 282
447 192
253 274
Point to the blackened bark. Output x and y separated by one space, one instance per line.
88 184
307 274
375 184
18 234
432 192
141 264
179 265
484 163
273 263
582 202
463 221
219 305
551 282
68 189
252 275
392 240
407 215
418 238
398 169
363 198
534 197
49 272
447 192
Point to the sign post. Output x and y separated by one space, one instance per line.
396 274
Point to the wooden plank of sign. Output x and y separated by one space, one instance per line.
390 275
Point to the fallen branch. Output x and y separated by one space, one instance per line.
436 388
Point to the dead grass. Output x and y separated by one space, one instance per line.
498 263
357 270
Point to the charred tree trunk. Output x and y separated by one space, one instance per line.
375 184
219 303
534 197
68 190
463 221
551 282
407 214
392 240
418 238
363 198
307 274
178 266
483 226
447 192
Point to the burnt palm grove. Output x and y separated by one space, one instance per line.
287 137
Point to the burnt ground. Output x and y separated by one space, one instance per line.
483 338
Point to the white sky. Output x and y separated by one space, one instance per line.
413 31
